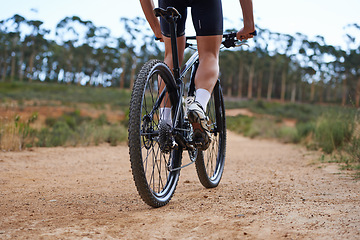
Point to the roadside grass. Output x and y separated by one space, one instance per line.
16 134
262 127
71 129
334 130
302 112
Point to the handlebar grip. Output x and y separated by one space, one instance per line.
254 33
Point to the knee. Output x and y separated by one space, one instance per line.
210 65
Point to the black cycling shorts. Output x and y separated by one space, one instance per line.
207 16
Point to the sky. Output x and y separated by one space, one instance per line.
310 17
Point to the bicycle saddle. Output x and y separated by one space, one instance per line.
170 14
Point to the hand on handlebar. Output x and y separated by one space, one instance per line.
245 34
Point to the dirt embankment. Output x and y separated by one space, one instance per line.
269 191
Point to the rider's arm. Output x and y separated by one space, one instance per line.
249 25
148 6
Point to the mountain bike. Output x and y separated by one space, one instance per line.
156 149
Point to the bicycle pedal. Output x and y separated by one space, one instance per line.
201 144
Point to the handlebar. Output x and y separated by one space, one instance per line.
228 42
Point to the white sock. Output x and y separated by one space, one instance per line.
165 115
203 97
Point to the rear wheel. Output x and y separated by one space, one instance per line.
210 163
151 166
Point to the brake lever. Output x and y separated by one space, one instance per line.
242 44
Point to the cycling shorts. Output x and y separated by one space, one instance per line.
207 16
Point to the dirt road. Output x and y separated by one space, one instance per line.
269 191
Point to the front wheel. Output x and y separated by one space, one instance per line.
152 168
210 163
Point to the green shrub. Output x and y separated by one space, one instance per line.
43 138
333 130
50 121
117 134
100 135
72 129
239 124
287 134
74 119
304 129
262 127
353 149
60 133
101 120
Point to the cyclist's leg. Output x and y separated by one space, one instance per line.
208 71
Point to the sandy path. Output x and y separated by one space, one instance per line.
269 191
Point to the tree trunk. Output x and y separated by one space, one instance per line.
13 66
357 94
344 92
329 93
1 63
122 77
312 91
21 72
229 88
4 71
293 93
241 73
251 78
31 66
283 84
132 75
271 81
259 85
301 92
321 91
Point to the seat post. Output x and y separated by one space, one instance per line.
175 55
